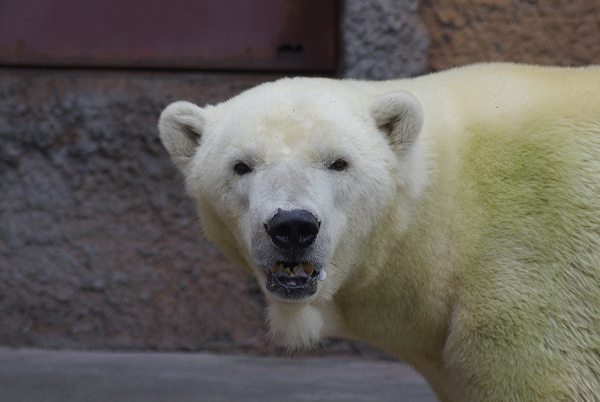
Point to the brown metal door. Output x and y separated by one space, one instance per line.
198 34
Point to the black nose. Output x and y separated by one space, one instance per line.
293 230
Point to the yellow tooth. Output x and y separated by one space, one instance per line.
297 268
273 268
308 268
289 272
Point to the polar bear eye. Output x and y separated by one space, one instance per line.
339 165
241 168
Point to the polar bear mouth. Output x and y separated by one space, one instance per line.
292 280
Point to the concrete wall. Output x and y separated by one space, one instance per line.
99 246
383 39
549 32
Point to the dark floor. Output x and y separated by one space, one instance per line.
32 375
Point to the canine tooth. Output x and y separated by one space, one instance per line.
308 269
273 268
322 276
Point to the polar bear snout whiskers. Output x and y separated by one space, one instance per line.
293 230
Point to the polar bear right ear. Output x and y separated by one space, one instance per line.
181 126
400 116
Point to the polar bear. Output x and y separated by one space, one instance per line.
451 219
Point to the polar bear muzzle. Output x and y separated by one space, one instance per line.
293 233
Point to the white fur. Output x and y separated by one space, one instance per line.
291 172
462 236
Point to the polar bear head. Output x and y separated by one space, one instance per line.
292 178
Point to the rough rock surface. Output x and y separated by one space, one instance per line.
383 39
557 32
99 247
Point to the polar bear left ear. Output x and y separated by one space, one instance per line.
181 126
400 116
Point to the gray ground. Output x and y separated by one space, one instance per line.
31 375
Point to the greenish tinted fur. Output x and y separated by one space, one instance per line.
539 212
530 189
525 201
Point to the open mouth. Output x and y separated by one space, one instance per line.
293 280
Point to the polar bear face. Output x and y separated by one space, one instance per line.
292 177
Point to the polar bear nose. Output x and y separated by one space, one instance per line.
295 229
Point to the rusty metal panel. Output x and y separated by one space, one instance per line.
213 34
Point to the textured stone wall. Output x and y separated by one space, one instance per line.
549 32
99 247
383 39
